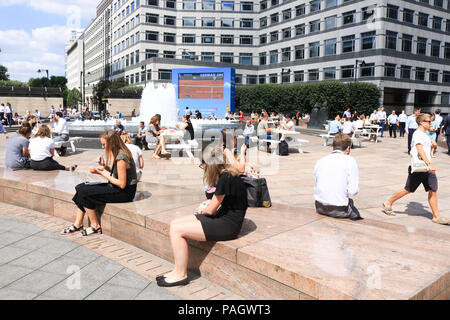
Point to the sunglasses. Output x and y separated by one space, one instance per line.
427 121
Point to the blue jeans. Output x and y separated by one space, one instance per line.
382 124
63 137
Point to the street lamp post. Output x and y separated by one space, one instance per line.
362 62
42 70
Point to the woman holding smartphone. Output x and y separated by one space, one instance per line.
120 172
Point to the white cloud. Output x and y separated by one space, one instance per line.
87 8
23 53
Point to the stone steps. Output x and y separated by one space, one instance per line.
283 252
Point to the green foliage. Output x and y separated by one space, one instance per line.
98 91
12 83
118 84
4 73
53 82
73 97
137 88
290 98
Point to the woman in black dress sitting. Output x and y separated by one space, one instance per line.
221 220
120 171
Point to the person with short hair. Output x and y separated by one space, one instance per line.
42 151
446 131
263 130
402 118
17 152
9 113
381 116
60 128
393 124
2 112
336 178
421 146
433 135
347 113
439 120
348 127
136 152
411 127
118 127
249 130
335 126
140 139
119 169
373 117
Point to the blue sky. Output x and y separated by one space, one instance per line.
33 33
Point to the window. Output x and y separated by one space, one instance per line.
389 70
314 5
329 73
151 54
437 23
347 72
368 70
420 74
188 55
392 12
171 4
274 2
314 26
285 54
262 58
208 56
151 36
348 17
168 55
246 39
330 3
207 38
151 18
263 22
405 72
285 77
246 23
407 43
227 5
348 44
330 22
330 47
435 48
314 49
273 78
262 39
447 50
447 26
368 40
208 22
391 40
246 6
422 46
188 4
300 52
164 74
263 5
300 10
313 74
434 75
188 38
208 5
299 76
286 15
300 29
274 18
227 39
273 56
251 79
169 20
245 58
274 36
169 37
262 79
367 13
188 22
227 22
423 19
286 33
226 57
238 78
408 15
152 3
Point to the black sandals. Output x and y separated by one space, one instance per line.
72 229
91 230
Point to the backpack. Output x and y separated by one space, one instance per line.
283 148
257 192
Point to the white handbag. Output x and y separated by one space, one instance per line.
417 164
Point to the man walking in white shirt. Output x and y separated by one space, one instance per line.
393 124
337 178
438 118
402 118
411 127
381 115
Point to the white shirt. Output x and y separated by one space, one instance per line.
336 178
136 152
373 116
248 130
290 125
381 115
61 126
349 127
359 124
402 117
393 119
411 123
40 148
2 109
7 109
438 118
422 138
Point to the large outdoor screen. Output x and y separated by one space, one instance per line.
200 85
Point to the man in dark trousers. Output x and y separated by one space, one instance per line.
411 127
446 131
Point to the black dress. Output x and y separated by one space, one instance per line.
226 223
92 195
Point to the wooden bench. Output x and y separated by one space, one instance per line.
70 142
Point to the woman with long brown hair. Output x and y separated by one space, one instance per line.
42 151
221 220
119 170
154 137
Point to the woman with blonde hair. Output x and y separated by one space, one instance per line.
42 151
154 137
221 220
119 170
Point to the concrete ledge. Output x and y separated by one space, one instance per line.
282 253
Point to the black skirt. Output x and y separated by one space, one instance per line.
225 225
92 195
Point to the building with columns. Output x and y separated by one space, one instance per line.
403 46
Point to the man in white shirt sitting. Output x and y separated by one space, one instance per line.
337 178
60 131
373 117
249 130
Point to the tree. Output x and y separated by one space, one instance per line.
98 91
73 98
3 73
118 84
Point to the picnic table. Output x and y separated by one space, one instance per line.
177 136
292 137
372 131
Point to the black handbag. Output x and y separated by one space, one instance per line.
283 148
257 192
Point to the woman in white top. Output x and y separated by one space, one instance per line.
359 124
42 150
349 127
136 152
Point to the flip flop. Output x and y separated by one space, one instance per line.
387 210
441 220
